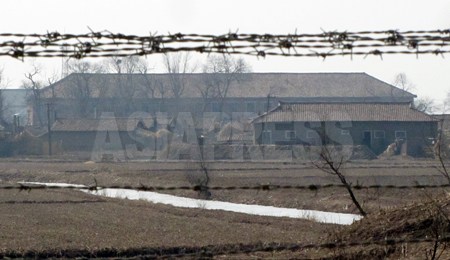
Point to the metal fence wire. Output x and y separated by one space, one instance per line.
266 187
323 45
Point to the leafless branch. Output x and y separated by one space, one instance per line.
321 45
331 161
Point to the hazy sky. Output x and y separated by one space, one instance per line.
430 74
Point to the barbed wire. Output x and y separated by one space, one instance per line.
210 250
264 187
325 44
322 45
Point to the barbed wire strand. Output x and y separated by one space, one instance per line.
325 44
266 187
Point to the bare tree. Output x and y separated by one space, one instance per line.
126 65
197 174
148 84
153 87
440 144
34 86
50 83
81 89
445 104
331 160
126 84
425 104
440 153
177 66
208 92
221 71
402 82
3 106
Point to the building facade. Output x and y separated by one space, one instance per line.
375 125
287 108
88 95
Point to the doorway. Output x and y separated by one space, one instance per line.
367 138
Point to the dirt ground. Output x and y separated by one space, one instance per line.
57 220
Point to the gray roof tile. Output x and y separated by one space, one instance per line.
317 112
103 124
281 85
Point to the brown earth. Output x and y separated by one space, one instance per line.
388 234
59 220
42 220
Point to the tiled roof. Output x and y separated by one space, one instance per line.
317 112
444 119
248 85
230 131
36 131
103 124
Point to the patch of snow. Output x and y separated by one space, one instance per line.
53 184
182 202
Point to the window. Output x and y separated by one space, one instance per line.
284 126
152 106
400 134
266 137
289 135
378 134
250 107
215 107
311 134
345 132
162 107
233 106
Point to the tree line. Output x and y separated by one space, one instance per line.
220 73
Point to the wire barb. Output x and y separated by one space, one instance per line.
323 45
264 187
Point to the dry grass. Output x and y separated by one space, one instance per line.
241 174
42 220
63 219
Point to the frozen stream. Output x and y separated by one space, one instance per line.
182 202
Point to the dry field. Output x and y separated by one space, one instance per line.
72 223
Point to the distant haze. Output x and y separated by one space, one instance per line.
430 74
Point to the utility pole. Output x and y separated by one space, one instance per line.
49 131
15 124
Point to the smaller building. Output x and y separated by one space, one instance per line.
82 134
375 125
444 121
15 106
